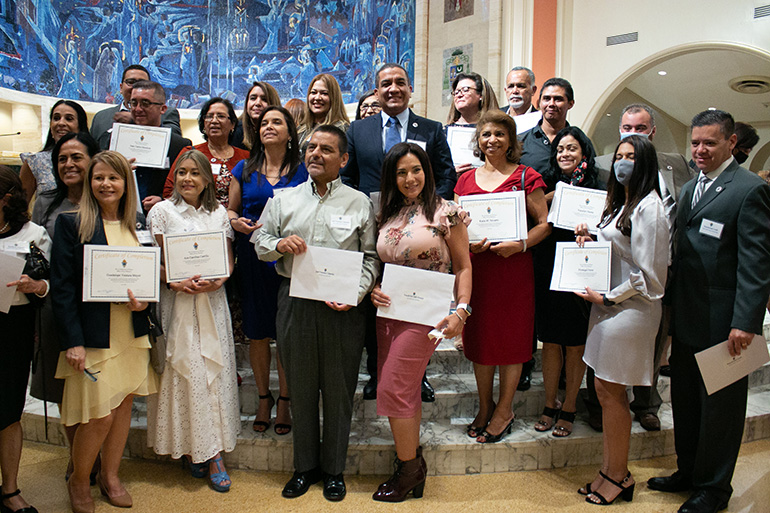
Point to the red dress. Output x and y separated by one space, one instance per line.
502 326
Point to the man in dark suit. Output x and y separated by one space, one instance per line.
719 287
148 104
673 172
370 138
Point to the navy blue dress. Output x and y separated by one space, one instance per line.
258 283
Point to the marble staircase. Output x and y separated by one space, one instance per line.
447 449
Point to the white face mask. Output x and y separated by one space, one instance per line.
623 171
623 135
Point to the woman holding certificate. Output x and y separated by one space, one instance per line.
17 324
196 412
106 358
274 164
624 322
572 162
501 332
418 229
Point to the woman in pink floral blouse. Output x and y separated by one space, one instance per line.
416 229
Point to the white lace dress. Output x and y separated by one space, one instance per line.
196 410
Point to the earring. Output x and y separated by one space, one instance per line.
288 145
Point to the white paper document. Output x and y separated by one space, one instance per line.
498 216
11 268
460 140
719 369
574 205
193 253
416 295
576 268
147 144
326 274
527 121
108 271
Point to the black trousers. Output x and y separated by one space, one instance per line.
707 428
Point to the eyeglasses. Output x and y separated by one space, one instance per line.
217 116
145 104
372 106
463 90
91 375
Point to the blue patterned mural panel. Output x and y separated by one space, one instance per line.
77 49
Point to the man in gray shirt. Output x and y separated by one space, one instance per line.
320 344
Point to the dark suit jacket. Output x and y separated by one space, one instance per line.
80 323
363 171
724 283
672 166
103 121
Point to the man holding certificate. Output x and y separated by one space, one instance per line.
320 343
720 284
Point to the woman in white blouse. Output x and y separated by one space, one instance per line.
196 412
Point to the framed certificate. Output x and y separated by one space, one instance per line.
192 253
147 144
327 274
416 295
460 140
576 268
574 205
498 216
108 271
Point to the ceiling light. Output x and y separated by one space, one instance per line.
662 73
712 108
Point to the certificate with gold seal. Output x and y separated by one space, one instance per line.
147 144
498 216
576 268
109 271
574 205
196 253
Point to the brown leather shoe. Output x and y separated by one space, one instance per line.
649 421
119 501
409 476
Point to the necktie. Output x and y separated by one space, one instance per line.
699 189
393 135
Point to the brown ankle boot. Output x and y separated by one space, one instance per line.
408 477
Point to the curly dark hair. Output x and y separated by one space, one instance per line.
15 209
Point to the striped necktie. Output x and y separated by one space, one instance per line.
703 180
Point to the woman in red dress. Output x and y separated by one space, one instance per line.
500 332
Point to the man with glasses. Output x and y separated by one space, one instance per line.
103 120
148 104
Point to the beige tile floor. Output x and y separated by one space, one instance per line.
164 487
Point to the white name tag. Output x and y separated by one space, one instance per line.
20 247
421 144
144 236
711 228
341 222
215 168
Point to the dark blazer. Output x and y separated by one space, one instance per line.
80 323
364 168
724 283
158 176
672 166
103 121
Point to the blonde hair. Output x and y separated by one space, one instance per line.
249 128
89 212
209 195
336 114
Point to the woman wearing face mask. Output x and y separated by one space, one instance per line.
624 322
572 162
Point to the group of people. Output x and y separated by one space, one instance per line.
318 172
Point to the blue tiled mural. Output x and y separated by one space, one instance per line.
197 49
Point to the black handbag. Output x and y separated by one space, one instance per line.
157 341
37 266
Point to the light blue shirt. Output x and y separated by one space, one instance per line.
403 120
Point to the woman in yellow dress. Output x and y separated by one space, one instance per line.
106 358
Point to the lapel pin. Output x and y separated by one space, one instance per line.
414 124
719 189
669 168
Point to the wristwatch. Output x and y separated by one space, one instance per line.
607 302
465 307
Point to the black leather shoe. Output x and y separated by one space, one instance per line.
665 370
649 421
334 487
676 482
703 501
300 482
427 393
370 389
525 380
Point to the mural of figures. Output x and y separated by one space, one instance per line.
198 49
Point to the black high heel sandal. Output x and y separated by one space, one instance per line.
563 431
586 490
493 439
551 413
260 426
6 509
475 431
627 494
286 427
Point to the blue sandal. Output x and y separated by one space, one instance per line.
197 470
217 478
